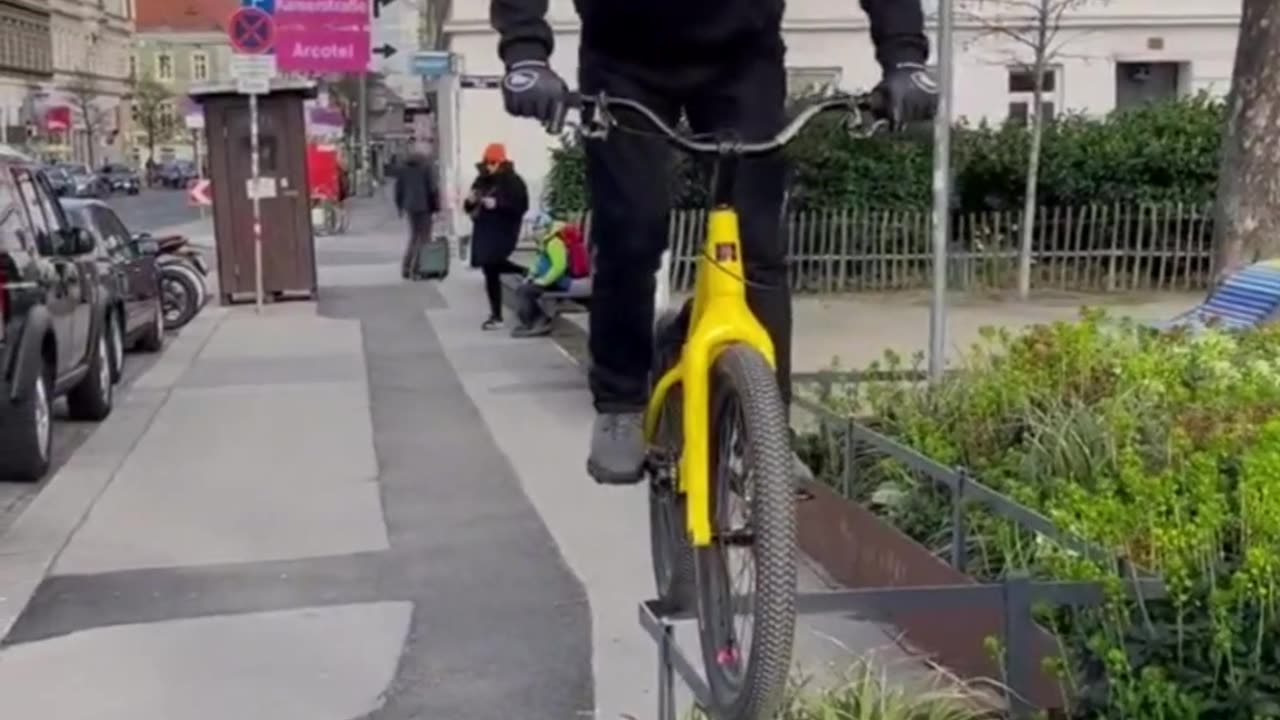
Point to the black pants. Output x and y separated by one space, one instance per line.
629 183
419 236
493 273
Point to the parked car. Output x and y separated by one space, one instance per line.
176 174
59 179
120 178
129 278
82 182
52 321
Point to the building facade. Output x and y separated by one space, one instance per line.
90 44
178 44
26 65
1110 53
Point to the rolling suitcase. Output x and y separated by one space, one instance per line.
432 260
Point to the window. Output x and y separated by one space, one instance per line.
133 67
199 67
115 238
1023 80
807 80
1019 112
1022 94
31 200
13 234
164 67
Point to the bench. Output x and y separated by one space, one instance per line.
1247 298
577 299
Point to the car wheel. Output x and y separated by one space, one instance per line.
91 399
115 345
153 339
26 433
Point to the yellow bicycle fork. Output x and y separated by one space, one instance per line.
720 318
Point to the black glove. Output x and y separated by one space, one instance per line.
908 93
532 89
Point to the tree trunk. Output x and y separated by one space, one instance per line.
1032 187
1247 216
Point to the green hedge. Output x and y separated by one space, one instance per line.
1156 153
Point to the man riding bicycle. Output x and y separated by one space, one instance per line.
720 62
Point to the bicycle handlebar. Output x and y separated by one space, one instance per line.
871 103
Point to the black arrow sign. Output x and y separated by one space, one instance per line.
377 7
385 51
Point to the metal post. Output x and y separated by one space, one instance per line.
257 202
1017 640
666 675
959 525
365 175
941 192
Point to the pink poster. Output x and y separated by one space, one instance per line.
322 50
327 14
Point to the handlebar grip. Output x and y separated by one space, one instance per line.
877 104
569 101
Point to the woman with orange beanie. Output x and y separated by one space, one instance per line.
497 204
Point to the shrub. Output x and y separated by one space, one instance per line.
1163 447
1159 152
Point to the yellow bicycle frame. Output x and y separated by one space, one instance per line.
720 317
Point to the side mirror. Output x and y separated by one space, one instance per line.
146 245
79 241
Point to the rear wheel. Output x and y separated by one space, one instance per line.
179 297
746 578
153 339
91 398
668 539
115 344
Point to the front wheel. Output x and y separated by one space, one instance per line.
746 578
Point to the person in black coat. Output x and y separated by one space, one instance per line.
416 196
497 204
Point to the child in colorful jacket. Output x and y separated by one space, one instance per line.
550 272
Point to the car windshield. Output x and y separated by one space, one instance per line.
75 169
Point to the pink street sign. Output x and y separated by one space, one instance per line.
321 13
321 50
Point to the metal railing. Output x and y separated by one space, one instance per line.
1014 596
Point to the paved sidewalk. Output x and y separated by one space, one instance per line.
297 515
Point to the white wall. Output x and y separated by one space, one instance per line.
834 33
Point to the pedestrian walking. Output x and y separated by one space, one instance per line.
497 204
416 196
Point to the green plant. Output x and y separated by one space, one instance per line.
1164 152
1161 447
866 692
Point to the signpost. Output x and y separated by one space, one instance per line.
253 35
199 193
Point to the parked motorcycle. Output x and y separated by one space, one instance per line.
183 280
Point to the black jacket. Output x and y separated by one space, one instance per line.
494 231
685 30
416 190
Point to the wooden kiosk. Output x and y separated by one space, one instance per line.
288 244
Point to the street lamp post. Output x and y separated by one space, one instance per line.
941 191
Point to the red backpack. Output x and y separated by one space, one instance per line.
576 248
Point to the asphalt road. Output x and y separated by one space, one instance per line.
152 209
67 437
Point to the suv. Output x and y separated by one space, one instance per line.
52 317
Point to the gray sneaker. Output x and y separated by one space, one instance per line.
617 448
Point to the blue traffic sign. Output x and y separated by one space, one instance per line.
252 31
266 6
431 63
